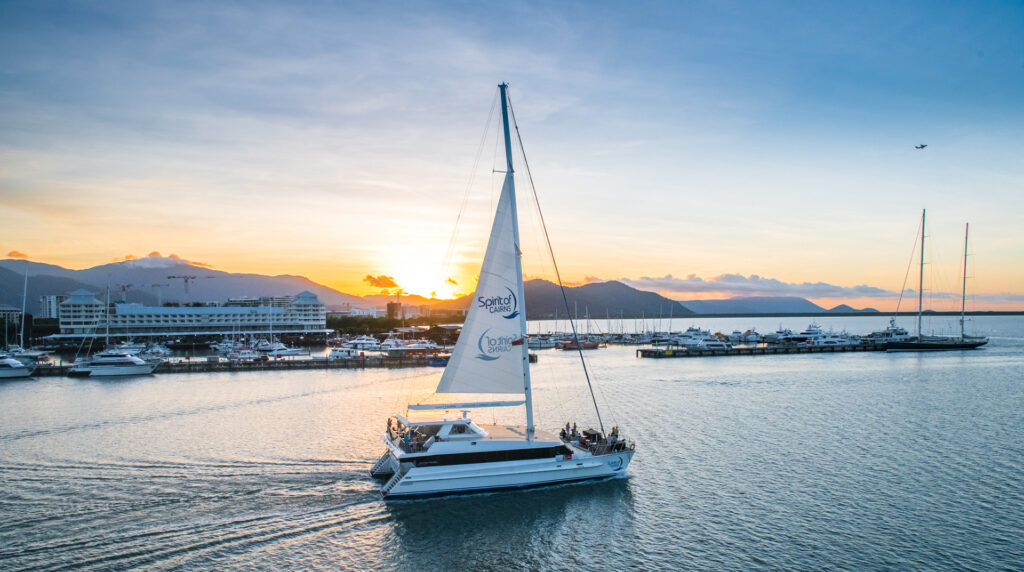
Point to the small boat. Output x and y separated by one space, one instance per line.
439 361
112 363
344 353
710 344
11 368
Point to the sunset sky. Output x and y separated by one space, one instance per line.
698 149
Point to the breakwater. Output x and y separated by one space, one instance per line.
754 351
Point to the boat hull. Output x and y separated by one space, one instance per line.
16 372
932 346
112 370
478 477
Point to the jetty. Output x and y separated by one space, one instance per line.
201 365
755 350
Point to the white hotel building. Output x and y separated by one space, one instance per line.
82 315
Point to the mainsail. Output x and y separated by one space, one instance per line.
489 356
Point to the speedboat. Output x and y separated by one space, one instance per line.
12 368
112 363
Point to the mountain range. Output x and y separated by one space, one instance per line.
156 279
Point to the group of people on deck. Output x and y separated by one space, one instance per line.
572 435
412 440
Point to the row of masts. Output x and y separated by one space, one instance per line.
920 288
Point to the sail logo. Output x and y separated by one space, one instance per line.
493 347
507 306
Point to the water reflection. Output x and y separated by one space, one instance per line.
535 528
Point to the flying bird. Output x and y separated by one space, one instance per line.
921 146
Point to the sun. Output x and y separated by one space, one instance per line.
422 276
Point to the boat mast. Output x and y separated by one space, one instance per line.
920 286
24 297
963 294
106 337
519 263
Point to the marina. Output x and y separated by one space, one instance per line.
762 350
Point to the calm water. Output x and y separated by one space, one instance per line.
849 461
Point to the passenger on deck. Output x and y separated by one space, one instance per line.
563 434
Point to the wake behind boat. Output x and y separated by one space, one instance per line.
439 455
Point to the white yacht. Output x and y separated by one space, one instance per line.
11 368
891 333
111 363
365 343
439 455
344 353
711 343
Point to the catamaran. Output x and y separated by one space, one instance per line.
442 455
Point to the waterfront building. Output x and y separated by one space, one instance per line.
276 301
9 314
83 315
49 306
80 313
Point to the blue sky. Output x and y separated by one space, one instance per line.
677 138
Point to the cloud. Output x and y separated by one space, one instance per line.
381 281
154 254
185 260
754 285
17 254
124 258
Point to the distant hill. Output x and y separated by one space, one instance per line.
147 281
754 305
844 309
12 284
544 301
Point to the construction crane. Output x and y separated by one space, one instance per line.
159 298
186 280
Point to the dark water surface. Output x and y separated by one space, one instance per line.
849 461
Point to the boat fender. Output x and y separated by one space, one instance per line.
632 446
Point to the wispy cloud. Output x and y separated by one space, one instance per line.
754 285
17 254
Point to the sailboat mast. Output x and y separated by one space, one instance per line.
920 285
963 294
24 298
519 263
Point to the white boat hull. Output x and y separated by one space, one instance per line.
113 370
476 477
16 372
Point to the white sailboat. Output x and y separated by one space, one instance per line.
430 455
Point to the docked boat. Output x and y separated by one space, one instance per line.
112 363
430 455
540 342
11 368
344 353
578 343
922 343
891 333
710 344
364 343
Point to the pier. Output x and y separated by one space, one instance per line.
754 351
208 366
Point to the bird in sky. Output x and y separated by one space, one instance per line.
921 146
